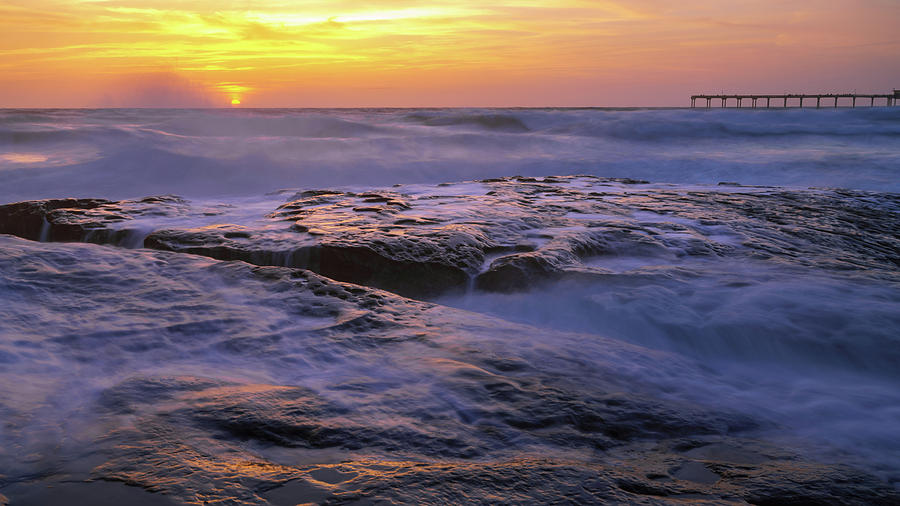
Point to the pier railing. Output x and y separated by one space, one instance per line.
788 99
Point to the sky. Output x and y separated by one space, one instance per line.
399 53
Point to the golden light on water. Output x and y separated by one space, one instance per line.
23 157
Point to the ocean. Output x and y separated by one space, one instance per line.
123 153
282 306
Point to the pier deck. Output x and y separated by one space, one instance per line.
890 99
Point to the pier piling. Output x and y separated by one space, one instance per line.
890 99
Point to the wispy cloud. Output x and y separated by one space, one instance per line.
282 49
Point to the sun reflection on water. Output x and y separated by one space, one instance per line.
23 157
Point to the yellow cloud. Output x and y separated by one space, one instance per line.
280 50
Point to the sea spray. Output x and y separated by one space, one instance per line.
134 153
614 337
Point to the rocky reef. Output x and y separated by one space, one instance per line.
298 355
503 234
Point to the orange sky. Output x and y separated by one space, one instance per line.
350 53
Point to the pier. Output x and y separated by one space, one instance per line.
791 99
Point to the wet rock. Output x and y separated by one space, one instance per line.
37 220
123 397
66 492
346 243
536 480
519 272
653 467
403 265
696 472
508 234
80 220
239 384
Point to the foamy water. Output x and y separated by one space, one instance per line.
132 153
804 344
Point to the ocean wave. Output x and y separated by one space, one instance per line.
309 124
487 121
751 126
49 136
775 308
196 151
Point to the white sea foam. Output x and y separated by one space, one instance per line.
809 348
130 153
812 351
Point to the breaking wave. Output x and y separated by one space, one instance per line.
199 152
582 319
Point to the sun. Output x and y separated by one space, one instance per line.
235 101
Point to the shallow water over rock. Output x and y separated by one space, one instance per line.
505 235
567 339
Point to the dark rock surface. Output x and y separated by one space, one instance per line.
81 220
230 383
508 234
662 465
54 219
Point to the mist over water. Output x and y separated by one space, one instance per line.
123 153
813 351
776 309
